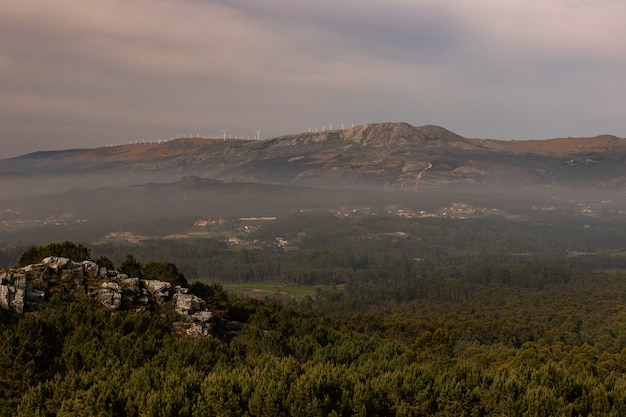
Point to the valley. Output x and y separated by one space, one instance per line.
382 270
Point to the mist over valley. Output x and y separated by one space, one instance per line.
380 270
179 189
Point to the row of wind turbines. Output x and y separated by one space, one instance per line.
222 136
189 135
330 127
258 134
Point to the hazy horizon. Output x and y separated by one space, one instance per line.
86 75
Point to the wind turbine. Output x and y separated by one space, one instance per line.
224 133
258 133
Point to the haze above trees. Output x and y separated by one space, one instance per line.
412 272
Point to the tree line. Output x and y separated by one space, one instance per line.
393 336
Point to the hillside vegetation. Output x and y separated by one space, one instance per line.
382 270
386 335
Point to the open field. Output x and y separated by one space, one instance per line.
272 290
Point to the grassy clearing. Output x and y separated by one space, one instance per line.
271 290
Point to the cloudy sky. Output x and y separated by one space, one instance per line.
92 73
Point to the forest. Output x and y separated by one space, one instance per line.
484 317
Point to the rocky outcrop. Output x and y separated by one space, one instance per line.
109 295
25 289
185 303
201 320
16 293
12 292
123 293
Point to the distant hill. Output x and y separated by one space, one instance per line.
387 155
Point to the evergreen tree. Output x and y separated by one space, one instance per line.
67 249
131 267
164 271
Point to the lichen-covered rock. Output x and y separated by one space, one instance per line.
113 286
159 290
91 269
109 295
188 304
155 286
12 292
38 276
202 316
195 330
72 281
131 282
55 262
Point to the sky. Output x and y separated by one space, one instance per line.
85 74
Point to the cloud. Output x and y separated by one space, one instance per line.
161 66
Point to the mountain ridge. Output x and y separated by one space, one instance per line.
390 154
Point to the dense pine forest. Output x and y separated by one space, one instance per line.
448 318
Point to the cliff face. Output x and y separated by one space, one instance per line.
26 289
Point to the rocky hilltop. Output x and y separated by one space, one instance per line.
398 155
27 289
395 155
